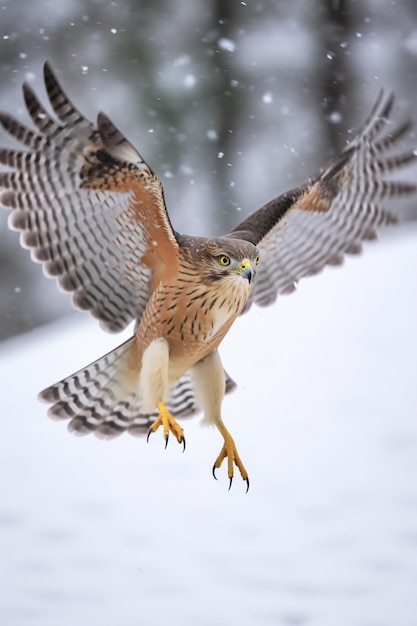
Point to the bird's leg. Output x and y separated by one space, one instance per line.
153 385
209 387
168 423
229 451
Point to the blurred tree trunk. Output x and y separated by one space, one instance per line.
227 110
337 77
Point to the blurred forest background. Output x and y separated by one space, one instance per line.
231 102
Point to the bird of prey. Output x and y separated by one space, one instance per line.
93 213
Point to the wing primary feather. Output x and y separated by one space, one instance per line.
393 137
38 114
116 143
87 206
60 102
316 224
255 227
377 118
18 131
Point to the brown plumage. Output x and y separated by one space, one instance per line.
93 213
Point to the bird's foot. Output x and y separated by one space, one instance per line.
169 424
229 451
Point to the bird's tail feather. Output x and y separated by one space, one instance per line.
104 398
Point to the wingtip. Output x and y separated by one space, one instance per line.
27 91
47 69
50 79
49 75
387 104
105 125
383 103
115 142
4 119
48 395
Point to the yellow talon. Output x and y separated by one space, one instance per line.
168 423
229 451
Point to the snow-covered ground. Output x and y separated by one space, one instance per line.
325 419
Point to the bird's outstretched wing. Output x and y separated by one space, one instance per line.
89 207
329 216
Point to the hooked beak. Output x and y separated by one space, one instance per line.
246 270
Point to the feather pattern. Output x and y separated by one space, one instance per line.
93 213
103 398
74 195
316 224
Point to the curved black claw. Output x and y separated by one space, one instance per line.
213 471
182 440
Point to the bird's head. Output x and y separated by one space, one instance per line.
226 258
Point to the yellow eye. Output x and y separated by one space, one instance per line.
257 260
224 260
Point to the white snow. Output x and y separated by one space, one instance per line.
226 44
267 97
190 80
325 418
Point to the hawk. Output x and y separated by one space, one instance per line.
92 211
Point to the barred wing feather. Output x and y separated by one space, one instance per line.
316 224
102 398
74 195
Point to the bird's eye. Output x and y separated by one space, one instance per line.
257 260
224 260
